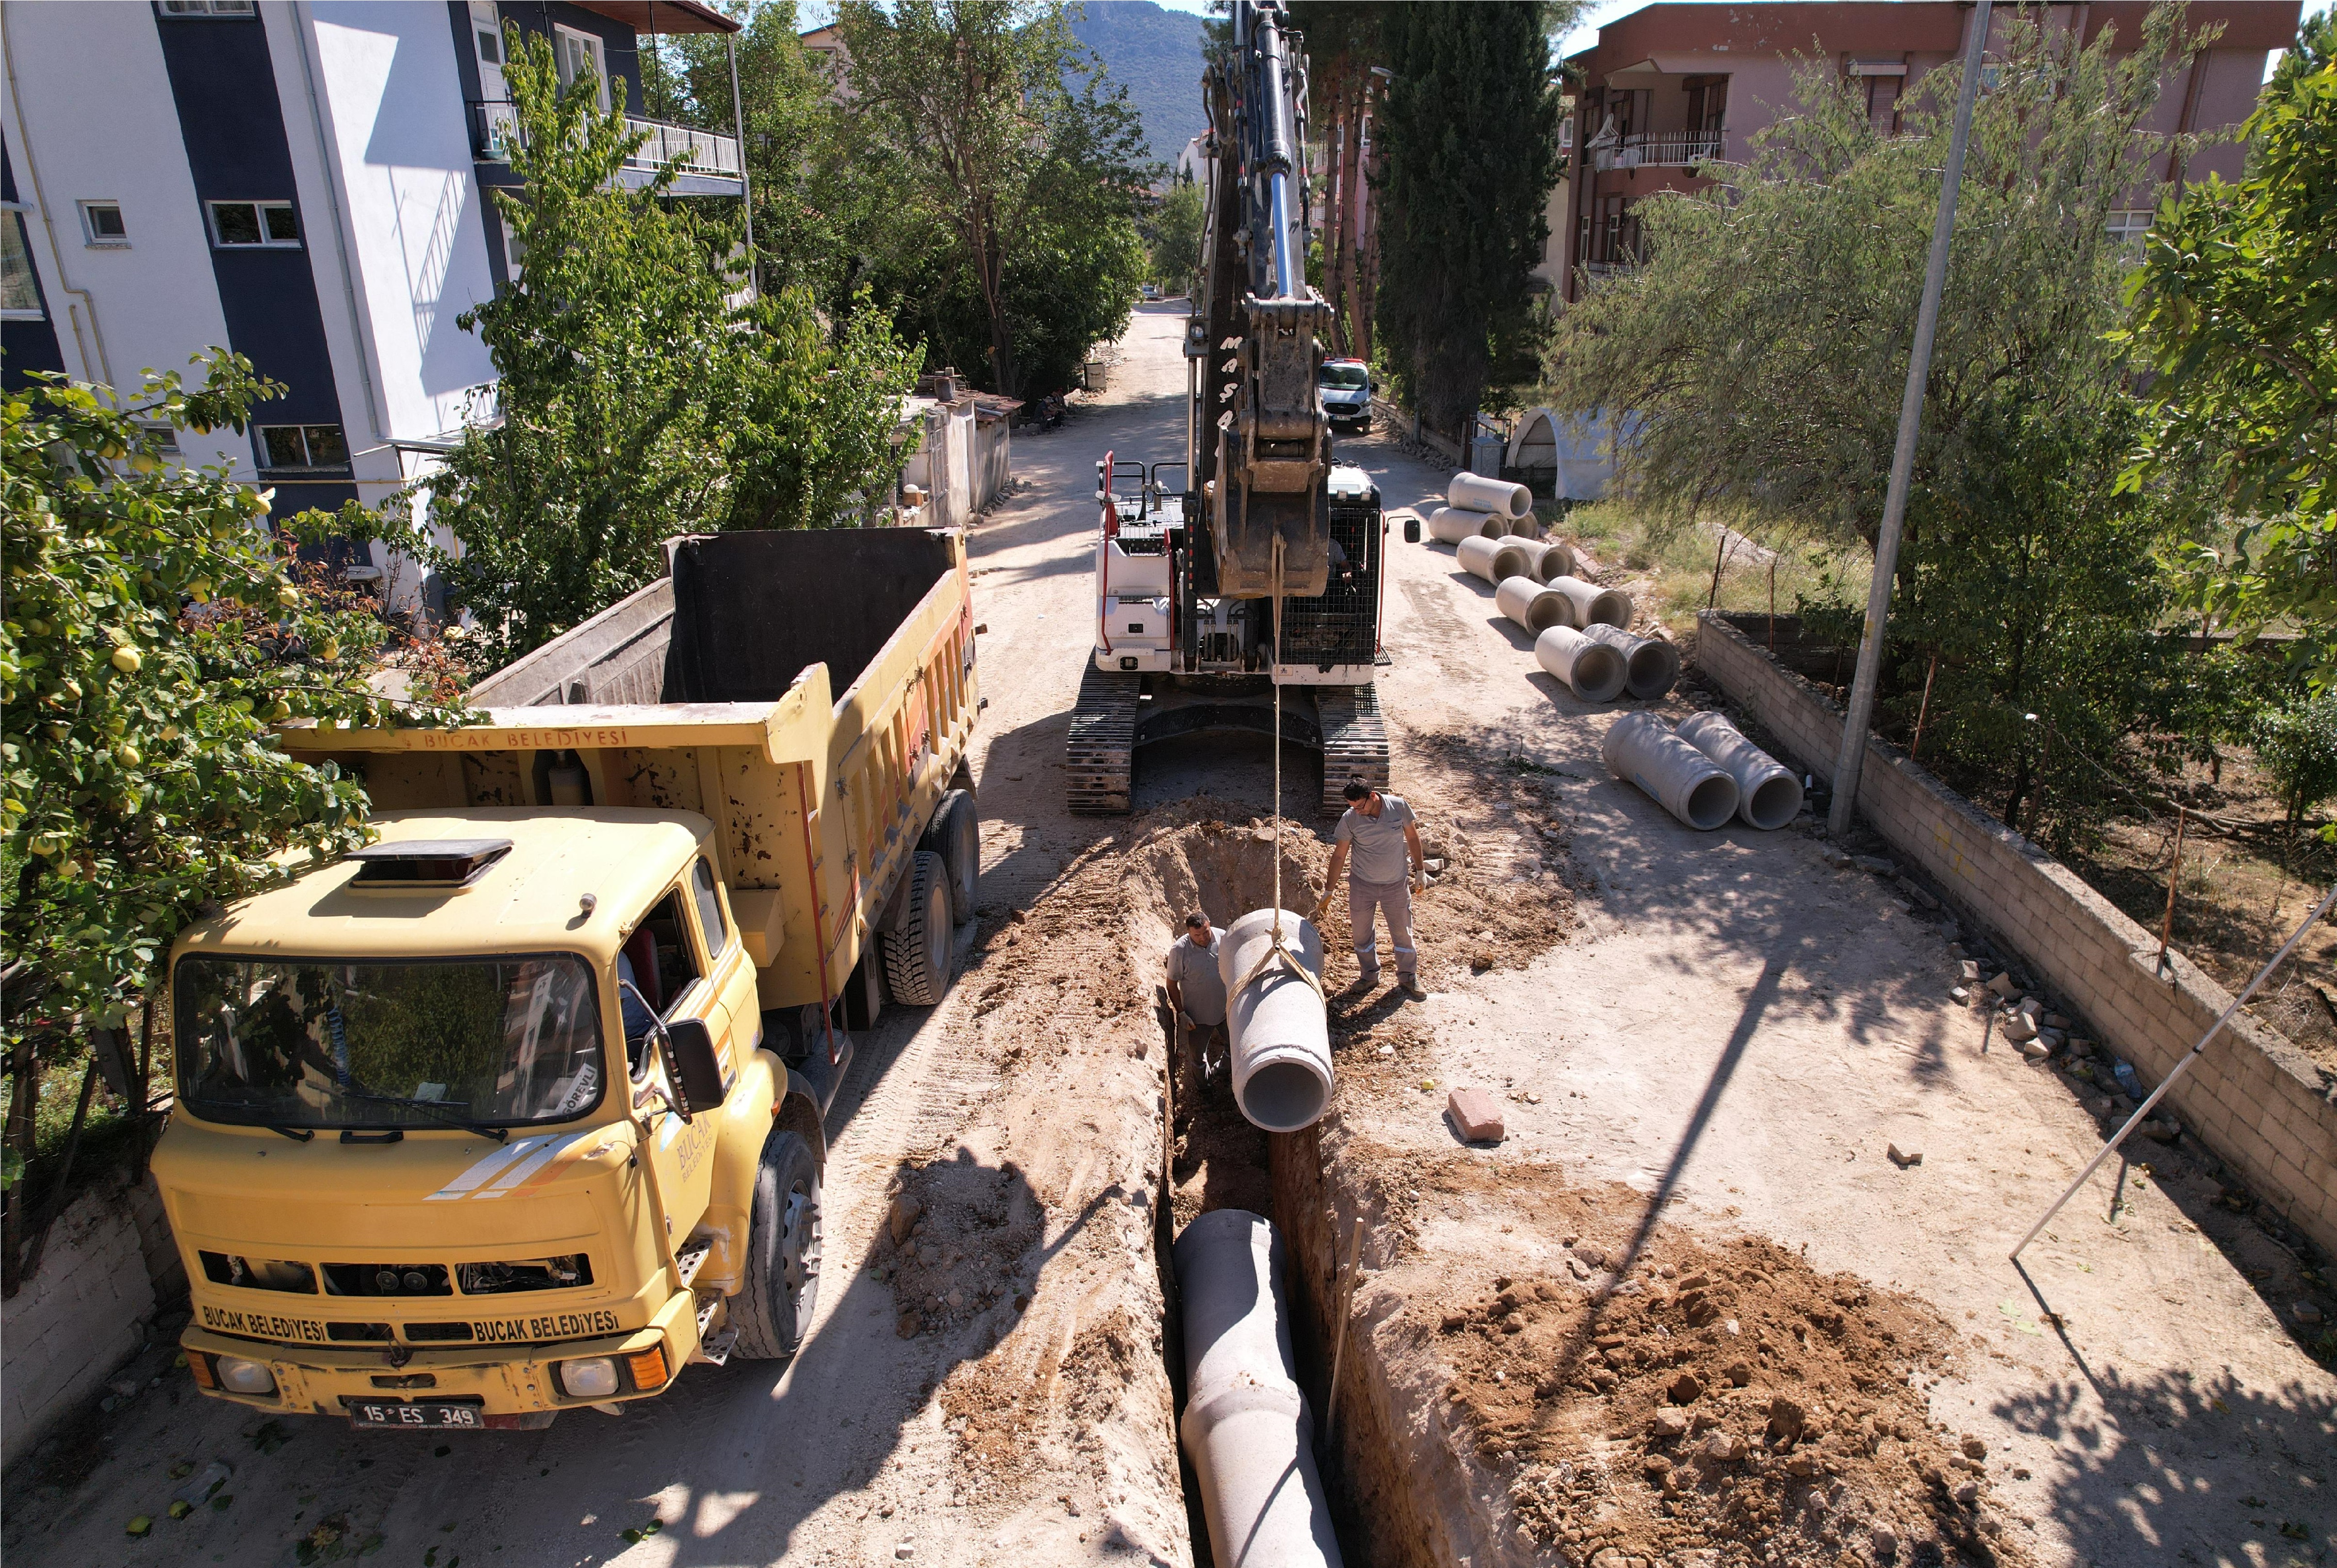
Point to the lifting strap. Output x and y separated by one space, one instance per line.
1279 949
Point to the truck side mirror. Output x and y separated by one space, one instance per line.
692 1068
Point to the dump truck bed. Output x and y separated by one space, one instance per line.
714 691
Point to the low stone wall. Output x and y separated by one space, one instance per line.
78 1319
2253 1099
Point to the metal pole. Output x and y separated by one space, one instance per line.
746 186
2168 1081
1902 461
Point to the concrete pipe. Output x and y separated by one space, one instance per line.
1451 524
1654 664
1530 605
1492 559
1641 749
1247 1427
1497 496
1592 670
1276 1030
1768 795
1552 558
1594 604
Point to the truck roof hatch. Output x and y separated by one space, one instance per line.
427 863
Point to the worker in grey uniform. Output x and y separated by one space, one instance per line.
1196 990
1383 835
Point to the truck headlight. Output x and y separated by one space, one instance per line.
237 1376
594 1378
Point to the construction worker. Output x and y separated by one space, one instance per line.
1196 990
1384 835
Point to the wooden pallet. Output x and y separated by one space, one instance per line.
1354 741
1099 753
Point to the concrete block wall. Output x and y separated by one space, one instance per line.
74 1323
2253 1099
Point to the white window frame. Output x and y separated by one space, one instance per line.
90 237
206 10
260 209
562 38
2128 227
487 24
12 213
309 464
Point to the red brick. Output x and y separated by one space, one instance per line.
1476 1115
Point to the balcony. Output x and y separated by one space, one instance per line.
1659 150
709 166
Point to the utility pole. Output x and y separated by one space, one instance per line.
1902 461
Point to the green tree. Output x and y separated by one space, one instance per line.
155 635
639 397
1345 40
1024 167
2235 314
1470 131
1177 237
1756 356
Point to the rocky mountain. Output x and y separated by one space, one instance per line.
1156 55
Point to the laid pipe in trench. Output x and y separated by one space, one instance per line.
1641 749
1276 1029
1497 496
1531 606
1653 663
1595 672
1767 793
1551 558
1594 604
1492 558
1451 524
1247 1427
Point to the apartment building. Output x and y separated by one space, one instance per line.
1672 85
300 181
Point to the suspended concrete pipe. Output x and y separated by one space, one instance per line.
1277 1033
1451 524
1641 749
1497 496
1591 670
1552 558
1493 559
1767 793
1594 604
1530 605
1654 664
1246 1427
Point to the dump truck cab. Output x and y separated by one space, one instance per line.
471 1125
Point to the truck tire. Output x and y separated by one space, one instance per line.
917 956
955 835
772 1311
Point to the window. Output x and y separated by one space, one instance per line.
164 437
579 58
660 962
2129 229
207 8
102 225
20 294
285 446
488 31
709 906
236 224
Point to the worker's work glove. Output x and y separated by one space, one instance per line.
1419 881
1322 906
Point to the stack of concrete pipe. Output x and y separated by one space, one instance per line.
1549 558
1480 509
1654 665
1533 607
1451 524
1643 750
1592 670
1594 604
1768 796
1277 1031
1247 1427
1494 560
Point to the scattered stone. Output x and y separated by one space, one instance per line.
1724 1447
2036 1050
1959 995
905 1551
2002 985
956 1298
1876 864
1656 1465
2020 1028
904 1215
1902 1158
1739 1373
1686 1388
1974 1448
2164 1132
1801 1466
2081 1046
1885 1542
1591 1253
2058 1021
1969 971
909 1324
1786 1417
2307 1313
1670 1424
1908 886
2099 1105
1833 855
1514 1323
1968 1493
1477 1115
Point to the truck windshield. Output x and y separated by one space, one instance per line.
306 1043
1346 377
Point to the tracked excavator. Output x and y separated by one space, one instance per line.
1241 587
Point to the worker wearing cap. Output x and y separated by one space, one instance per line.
1196 990
1389 863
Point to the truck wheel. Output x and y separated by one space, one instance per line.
772 1311
955 835
917 956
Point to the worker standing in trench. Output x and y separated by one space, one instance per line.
1384 835
1196 989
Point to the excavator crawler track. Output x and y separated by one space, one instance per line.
1354 741
1100 754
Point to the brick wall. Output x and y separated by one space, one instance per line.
2253 1099
71 1325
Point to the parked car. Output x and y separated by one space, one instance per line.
1347 387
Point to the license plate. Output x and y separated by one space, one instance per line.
421 1414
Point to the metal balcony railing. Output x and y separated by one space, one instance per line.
495 131
1660 149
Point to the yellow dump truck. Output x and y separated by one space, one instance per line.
521 1106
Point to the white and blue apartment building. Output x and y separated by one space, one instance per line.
303 181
